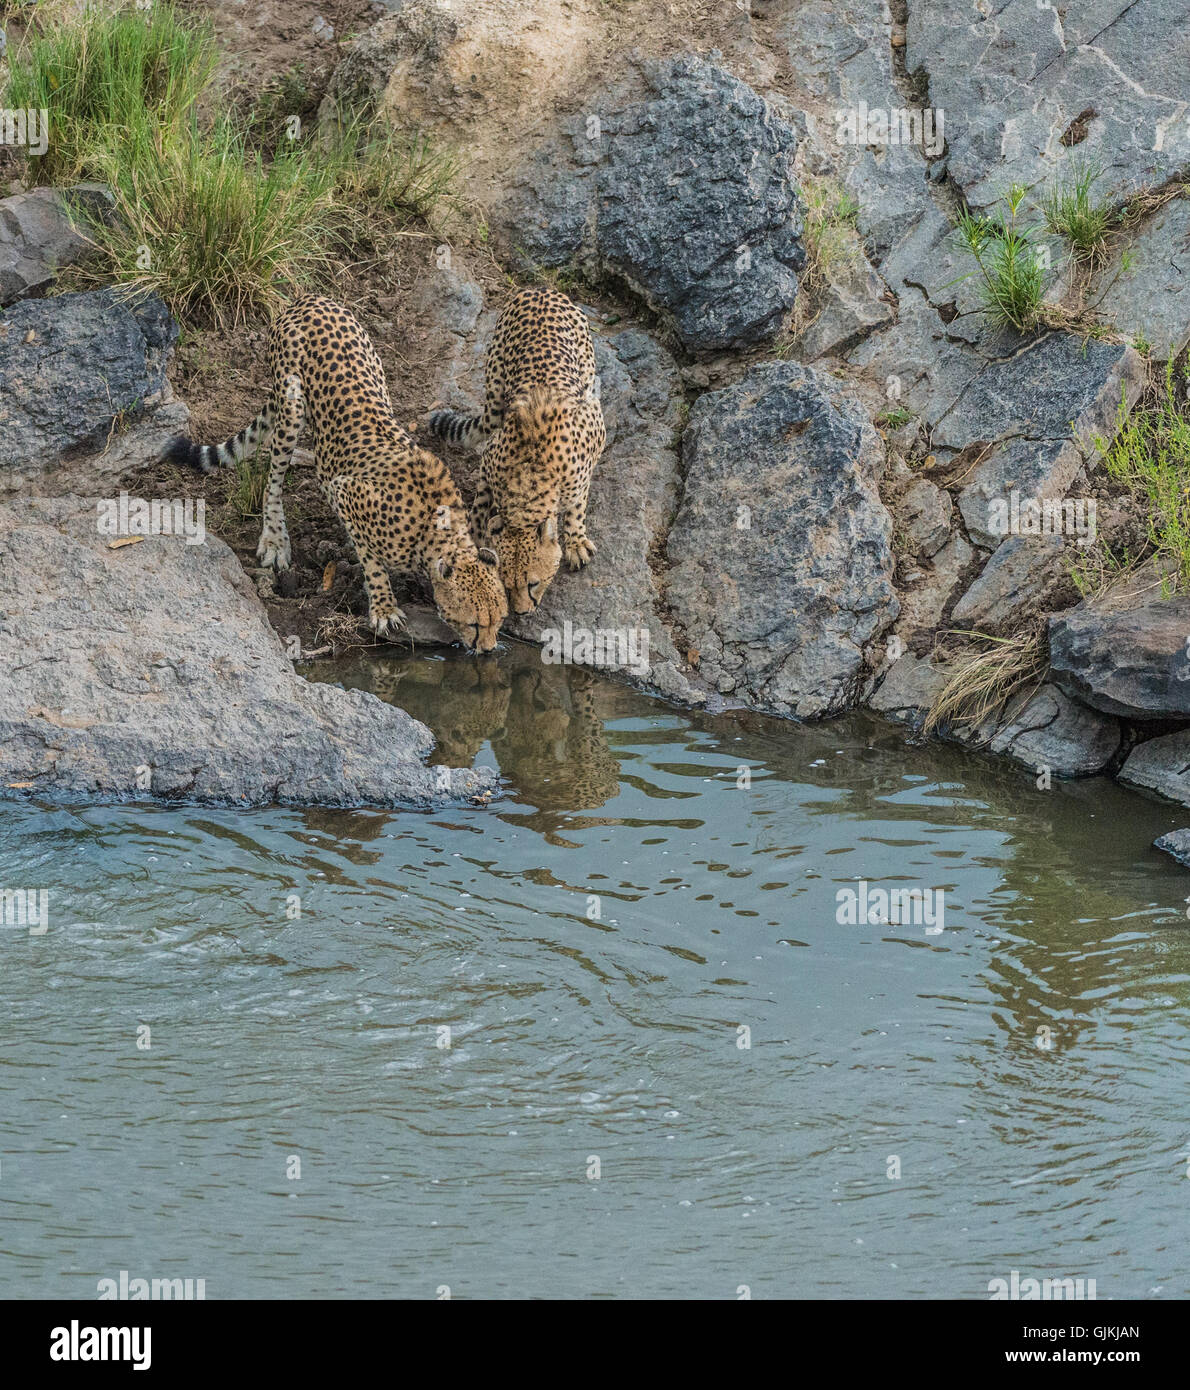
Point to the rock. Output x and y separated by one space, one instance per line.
911 686
1013 79
38 236
1151 300
151 671
1045 405
1047 731
466 70
73 365
656 198
838 57
923 604
852 305
1161 765
1126 660
1015 580
924 513
1176 844
633 496
780 554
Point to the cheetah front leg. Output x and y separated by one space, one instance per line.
273 549
577 547
481 514
358 505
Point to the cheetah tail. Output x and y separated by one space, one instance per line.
208 457
463 430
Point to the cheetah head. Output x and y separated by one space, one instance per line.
470 597
529 559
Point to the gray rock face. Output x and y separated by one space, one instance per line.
37 237
908 690
1048 731
1127 661
151 671
70 365
1013 77
924 513
1044 406
1151 300
1161 765
1017 577
633 495
1176 844
780 553
853 304
686 197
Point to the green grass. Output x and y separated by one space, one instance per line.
215 227
1150 455
1072 212
830 232
249 481
107 80
894 419
1007 261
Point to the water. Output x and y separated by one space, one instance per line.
595 943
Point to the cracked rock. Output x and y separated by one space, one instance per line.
780 552
659 200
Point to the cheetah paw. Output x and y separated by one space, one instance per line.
273 551
387 625
579 551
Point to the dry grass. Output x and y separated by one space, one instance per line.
986 675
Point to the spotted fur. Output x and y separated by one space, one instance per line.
397 501
544 429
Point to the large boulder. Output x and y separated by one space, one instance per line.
684 195
72 366
1126 655
1013 582
1161 765
1047 731
151 671
1039 410
39 234
780 552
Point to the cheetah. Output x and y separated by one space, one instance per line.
397 502
544 429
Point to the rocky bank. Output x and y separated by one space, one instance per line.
806 453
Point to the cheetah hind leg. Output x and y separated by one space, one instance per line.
273 549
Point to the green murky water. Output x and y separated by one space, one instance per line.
671 1071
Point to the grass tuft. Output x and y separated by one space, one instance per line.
1073 213
985 677
203 218
1150 455
1008 262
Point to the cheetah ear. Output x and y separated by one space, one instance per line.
488 556
495 524
548 529
443 568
